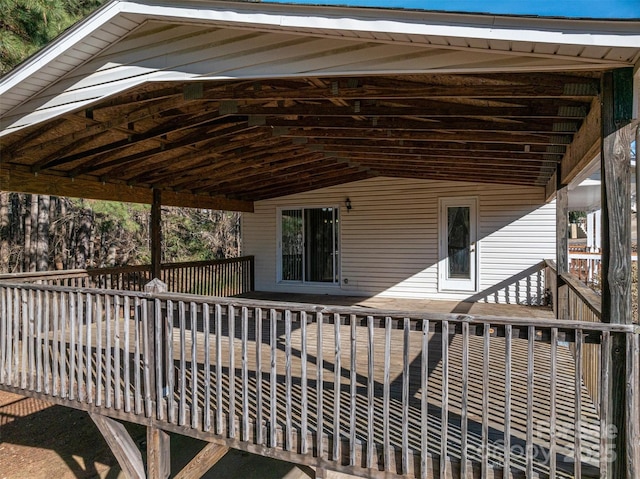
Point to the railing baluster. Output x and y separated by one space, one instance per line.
28 368
109 370
506 473
16 338
259 379
170 364
100 351
80 347
320 387
182 378
464 416
605 356
486 391
219 419
160 339
127 353
206 329
3 333
55 344
531 332
553 387
371 453
288 381
137 351
273 379
39 371
146 362
405 396
193 309
444 408
117 353
304 413
245 374
72 346
424 402
337 380
89 353
386 435
353 392
231 321
577 411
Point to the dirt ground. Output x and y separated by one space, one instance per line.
39 440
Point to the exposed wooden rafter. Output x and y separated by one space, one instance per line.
248 140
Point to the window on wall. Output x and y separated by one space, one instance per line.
309 245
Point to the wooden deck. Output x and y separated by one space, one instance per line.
417 394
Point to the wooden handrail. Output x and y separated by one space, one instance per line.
590 298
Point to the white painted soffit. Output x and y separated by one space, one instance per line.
86 65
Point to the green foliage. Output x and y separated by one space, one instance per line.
28 25
114 214
574 216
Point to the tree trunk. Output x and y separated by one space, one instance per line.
42 243
34 233
27 232
4 232
84 239
63 262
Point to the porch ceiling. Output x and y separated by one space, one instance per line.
255 139
218 104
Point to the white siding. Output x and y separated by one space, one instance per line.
389 240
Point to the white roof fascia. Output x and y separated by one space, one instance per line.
60 45
486 27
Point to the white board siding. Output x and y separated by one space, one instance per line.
389 240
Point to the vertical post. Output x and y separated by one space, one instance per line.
562 250
158 445
616 248
156 234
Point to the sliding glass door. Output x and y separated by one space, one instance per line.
309 245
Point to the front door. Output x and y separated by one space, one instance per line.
457 268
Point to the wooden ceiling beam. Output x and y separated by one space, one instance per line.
193 138
247 170
510 150
456 177
399 151
425 86
454 162
273 191
426 124
208 172
12 179
476 137
323 168
443 167
514 109
207 119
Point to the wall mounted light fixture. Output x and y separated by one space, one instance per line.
347 203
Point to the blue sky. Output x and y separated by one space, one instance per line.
563 8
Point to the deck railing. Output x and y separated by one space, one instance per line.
224 277
582 304
368 392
